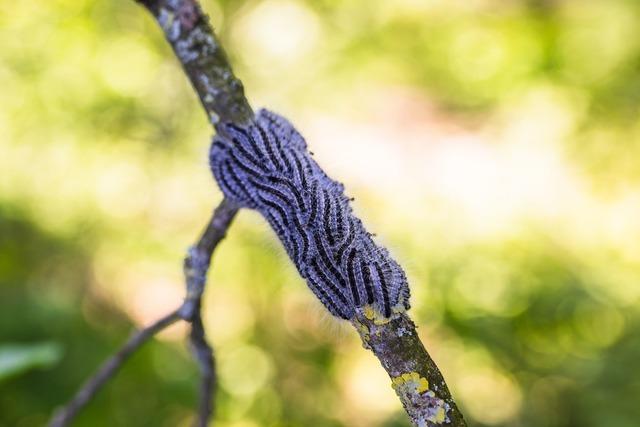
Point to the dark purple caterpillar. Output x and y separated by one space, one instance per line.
266 167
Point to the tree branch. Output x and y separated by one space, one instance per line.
208 383
203 59
414 375
188 31
196 265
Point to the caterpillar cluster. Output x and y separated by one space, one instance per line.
266 166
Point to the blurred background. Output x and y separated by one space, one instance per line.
493 145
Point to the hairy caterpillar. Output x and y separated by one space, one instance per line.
266 166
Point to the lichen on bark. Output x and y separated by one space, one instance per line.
188 31
414 375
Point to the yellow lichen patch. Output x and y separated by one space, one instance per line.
439 416
411 381
377 317
425 408
368 312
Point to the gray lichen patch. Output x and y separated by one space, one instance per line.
169 24
196 44
402 331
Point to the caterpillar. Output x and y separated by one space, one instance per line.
266 166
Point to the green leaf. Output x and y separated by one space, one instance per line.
16 359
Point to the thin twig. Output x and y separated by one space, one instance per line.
109 368
196 266
203 354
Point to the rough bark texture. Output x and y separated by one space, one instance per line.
188 31
414 375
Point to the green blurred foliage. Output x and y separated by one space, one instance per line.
16 359
104 184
